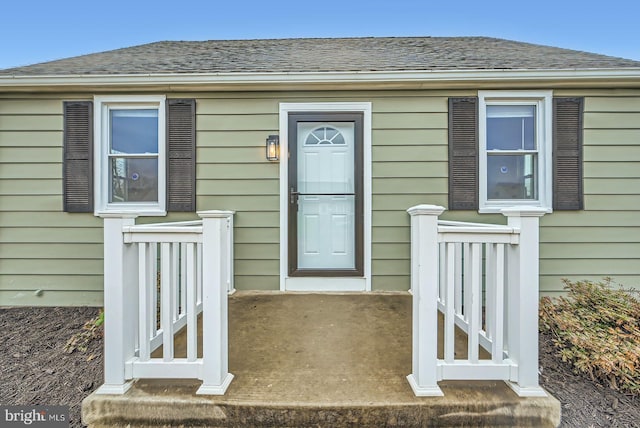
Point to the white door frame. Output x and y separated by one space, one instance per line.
324 283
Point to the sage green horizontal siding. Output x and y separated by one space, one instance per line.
626 137
618 169
408 137
613 201
52 297
604 239
409 167
403 120
257 219
399 153
31 187
44 170
41 234
617 120
54 219
392 185
590 218
52 266
31 155
549 283
590 235
262 235
269 186
46 250
241 155
614 104
604 250
238 122
611 153
259 281
232 173
67 282
30 138
618 186
42 248
238 202
391 282
222 139
25 122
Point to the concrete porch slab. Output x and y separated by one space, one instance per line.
319 360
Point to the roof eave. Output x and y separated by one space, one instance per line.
592 78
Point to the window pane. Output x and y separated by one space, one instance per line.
134 131
133 180
511 128
512 177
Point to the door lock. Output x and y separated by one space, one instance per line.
293 196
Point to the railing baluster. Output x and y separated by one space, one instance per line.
497 334
183 279
466 281
443 280
229 265
144 335
175 278
199 273
449 315
152 263
473 291
166 307
458 279
190 301
489 287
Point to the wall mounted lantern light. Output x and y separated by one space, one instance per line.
273 148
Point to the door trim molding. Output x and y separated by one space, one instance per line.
350 283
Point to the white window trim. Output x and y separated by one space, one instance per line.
102 105
327 284
543 102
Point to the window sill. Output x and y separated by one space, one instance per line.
497 209
137 211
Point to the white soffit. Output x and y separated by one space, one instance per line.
628 77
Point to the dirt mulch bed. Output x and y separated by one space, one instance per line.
34 369
585 403
33 365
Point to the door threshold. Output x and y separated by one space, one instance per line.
327 284
245 293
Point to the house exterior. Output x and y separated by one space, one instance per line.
367 128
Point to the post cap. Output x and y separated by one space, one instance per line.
116 214
215 214
524 211
426 209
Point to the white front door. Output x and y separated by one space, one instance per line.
325 195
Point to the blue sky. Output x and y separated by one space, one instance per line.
40 30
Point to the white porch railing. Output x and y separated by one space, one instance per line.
158 279
484 280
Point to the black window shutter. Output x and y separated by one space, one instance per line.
567 154
77 181
181 155
463 153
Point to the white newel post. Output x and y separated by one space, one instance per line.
120 303
215 327
424 286
522 318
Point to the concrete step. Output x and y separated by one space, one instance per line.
303 360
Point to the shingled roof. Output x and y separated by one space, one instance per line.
385 54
